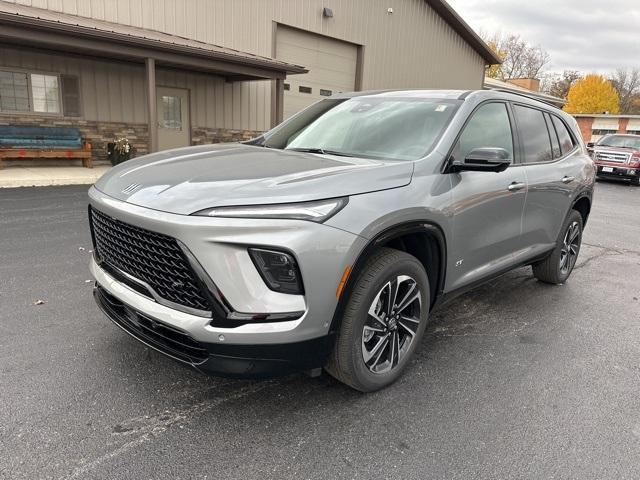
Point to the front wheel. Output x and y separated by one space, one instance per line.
383 322
635 181
557 267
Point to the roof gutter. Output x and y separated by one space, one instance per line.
130 40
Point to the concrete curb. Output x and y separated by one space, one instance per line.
15 177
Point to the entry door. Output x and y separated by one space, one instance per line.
174 125
487 207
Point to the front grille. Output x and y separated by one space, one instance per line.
151 257
613 157
168 340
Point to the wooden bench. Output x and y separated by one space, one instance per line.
17 142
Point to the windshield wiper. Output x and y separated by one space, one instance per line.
322 151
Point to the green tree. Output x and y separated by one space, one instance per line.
592 94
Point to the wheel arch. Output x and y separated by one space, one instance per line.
423 239
582 204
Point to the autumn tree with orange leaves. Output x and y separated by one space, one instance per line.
592 94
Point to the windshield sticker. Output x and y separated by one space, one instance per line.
441 108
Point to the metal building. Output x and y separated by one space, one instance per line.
167 73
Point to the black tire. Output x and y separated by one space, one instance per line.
347 361
635 181
550 270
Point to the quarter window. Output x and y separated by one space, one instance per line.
555 144
536 142
489 127
566 142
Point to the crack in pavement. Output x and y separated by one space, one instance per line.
148 428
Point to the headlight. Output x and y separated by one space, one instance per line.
279 270
316 211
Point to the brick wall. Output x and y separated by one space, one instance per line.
585 124
623 123
101 133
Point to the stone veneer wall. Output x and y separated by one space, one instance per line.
101 133
203 135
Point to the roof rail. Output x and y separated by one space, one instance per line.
533 95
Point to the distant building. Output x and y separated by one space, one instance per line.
595 126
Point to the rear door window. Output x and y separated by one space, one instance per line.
566 142
536 142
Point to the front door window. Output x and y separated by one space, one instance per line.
172 112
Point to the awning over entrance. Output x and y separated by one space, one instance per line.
44 29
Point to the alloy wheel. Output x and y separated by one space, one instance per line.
570 248
391 325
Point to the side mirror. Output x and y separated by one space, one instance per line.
483 160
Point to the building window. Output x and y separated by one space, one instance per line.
325 93
172 112
14 92
633 132
45 90
287 86
304 89
29 92
600 131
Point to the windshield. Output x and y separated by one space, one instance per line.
620 141
370 127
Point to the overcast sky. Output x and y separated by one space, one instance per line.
585 35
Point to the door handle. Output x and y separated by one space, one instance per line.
567 179
515 186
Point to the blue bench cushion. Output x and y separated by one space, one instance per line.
41 138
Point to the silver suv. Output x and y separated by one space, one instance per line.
327 241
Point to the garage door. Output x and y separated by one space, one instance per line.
331 64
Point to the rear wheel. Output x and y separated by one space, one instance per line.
383 322
557 267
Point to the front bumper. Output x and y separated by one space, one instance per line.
241 361
618 171
268 341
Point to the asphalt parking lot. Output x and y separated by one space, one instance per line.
516 379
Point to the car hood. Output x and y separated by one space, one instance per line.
187 180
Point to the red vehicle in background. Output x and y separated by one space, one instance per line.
617 156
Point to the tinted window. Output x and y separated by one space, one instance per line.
555 143
534 134
489 127
566 142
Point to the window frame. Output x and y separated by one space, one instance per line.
576 144
515 161
31 111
